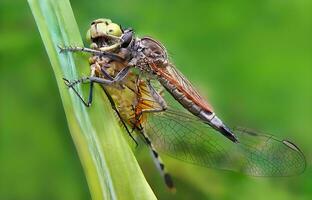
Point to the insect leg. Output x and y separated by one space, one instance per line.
157 97
151 101
92 51
113 105
106 74
157 102
86 103
159 163
119 77
110 48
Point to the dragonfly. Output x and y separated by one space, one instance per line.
154 99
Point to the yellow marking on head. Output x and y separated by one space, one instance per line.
103 28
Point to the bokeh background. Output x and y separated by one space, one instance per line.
253 59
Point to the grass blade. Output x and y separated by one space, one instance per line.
111 169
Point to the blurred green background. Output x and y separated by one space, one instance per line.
253 59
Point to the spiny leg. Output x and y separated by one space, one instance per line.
88 103
106 74
120 76
148 98
91 80
157 97
154 103
112 56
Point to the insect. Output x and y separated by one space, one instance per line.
154 99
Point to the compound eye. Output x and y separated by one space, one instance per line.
114 30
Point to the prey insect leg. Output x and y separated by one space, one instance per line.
158 161
113 105
110 48
151 101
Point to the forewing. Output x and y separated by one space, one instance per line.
184 137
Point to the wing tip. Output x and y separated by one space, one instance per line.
294 147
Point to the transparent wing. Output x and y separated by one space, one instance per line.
184 137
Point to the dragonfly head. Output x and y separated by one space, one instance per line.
103 32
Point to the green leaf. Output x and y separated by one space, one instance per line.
111 169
